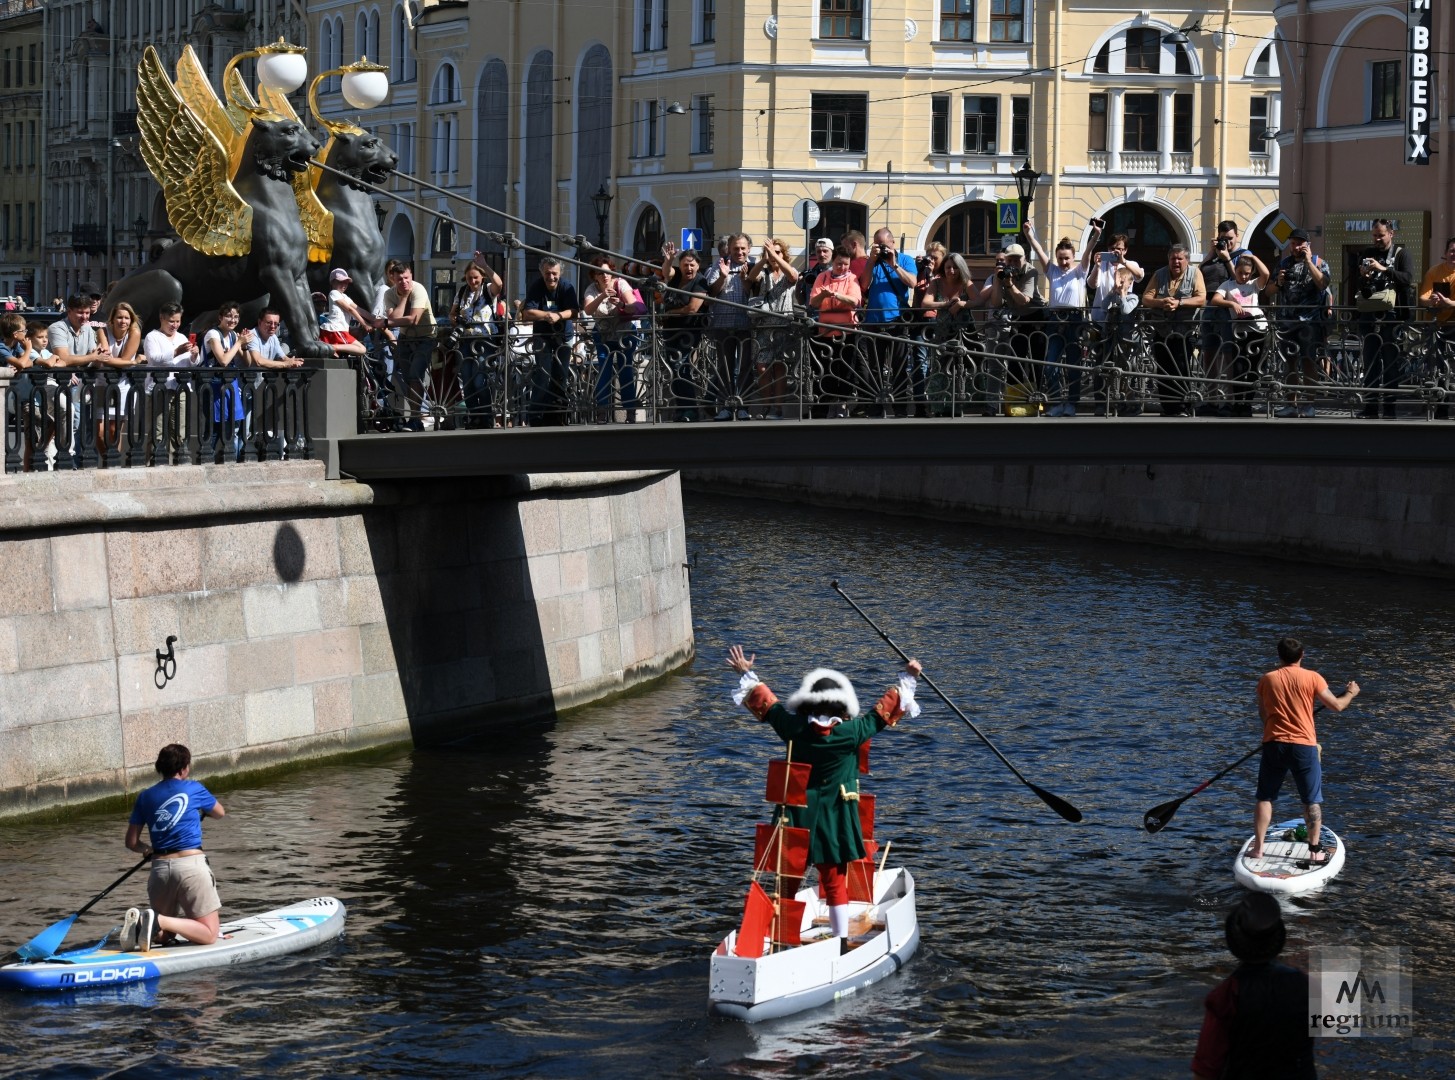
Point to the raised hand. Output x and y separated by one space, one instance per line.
738 662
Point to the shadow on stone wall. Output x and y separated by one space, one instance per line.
451 562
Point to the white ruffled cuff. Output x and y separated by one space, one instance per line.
747 682
907 683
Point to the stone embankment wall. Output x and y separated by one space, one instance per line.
314 616
1393 518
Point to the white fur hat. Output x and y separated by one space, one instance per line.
822 686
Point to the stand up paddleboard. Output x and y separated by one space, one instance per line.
1284 868
258 937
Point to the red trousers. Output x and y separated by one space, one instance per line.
834 877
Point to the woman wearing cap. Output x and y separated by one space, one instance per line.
822 725
1255 1022
334 328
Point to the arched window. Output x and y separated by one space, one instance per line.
1148 233
968 229
837 218
401 55
325 50
540 180
492 148
444 243
593 134
446 87
704 215
647 239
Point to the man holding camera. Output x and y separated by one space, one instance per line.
885 282
1383 287
1299 285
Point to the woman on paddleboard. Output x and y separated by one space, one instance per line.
1286 697
181 889
822 725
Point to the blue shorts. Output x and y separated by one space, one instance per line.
1279 759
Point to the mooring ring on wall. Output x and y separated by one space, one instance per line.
166 664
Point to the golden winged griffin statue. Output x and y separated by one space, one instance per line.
254 215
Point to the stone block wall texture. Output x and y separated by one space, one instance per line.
315 616
1400 519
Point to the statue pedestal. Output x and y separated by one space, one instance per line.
333 410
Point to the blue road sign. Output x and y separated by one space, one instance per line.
1008 211
691 240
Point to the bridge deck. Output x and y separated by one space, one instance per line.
897 442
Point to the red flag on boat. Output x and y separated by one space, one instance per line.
866 815
779 849
757 918
861 875
788 783
788 923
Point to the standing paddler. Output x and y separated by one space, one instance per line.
823 728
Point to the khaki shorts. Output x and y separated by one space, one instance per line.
183 887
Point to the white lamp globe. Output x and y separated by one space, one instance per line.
365 89
282 71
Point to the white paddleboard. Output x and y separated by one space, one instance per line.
1284 868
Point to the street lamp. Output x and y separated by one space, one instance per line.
139 226
601 203
1026 179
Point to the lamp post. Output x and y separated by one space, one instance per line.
601 203
1026 179
139 226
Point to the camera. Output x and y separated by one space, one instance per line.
1224 244
885 254
922 263
1002 273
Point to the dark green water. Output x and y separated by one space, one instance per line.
542 903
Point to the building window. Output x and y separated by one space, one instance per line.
1139 123
1257 124
444 238
1144 50
706 21
1384 90
1182 61
1263 66
647 239
940 124
982 116
702 124
957 20
651 25
843 19
651 138
704 214
1020 126
840 123
1096 124
968 229
1182 123
1102 64
1007 20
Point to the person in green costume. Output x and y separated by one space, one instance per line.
822 725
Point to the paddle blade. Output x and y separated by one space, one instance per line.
1156 819
1056 803
44 945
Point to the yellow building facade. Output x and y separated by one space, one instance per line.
911 115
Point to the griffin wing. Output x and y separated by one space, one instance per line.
317 219
191 164
228 123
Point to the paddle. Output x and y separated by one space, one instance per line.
44 945
1056 803
1155 819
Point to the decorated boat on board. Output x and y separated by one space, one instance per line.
784 956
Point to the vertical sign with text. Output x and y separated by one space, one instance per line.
1421 87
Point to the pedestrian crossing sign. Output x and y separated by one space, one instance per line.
691 239
1008 213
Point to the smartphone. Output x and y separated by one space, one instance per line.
1441 287
1098 223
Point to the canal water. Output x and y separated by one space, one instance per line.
542 903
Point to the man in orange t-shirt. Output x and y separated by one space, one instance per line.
1286 697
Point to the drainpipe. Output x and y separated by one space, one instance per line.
1223 112
1052 232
